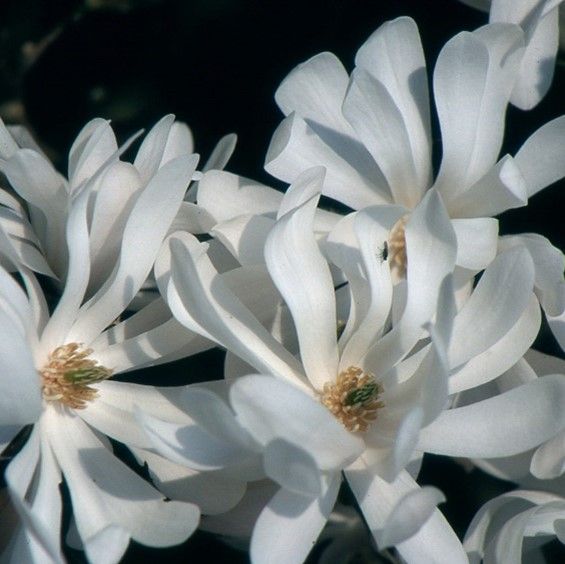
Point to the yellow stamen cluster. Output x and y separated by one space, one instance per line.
353 398
397 257
68 373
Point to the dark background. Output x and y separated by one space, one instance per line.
216 65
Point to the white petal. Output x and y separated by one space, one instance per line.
93 146
110 499
150 153
244 236
500 356
314 90
538 63
213 492
502 188
477 240
473 77
380 126
271 409
352 177
221 154
539 158
548 263
179 142
290 524
431 250
143 234
504 425
292 467
549 459
201 301
225 196
303 277
496 304
394 56
192 218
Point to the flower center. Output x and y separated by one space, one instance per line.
397 258
353 398
68 373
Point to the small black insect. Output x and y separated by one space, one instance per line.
383 253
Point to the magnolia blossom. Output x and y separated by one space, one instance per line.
371 402
372 132
511 527
34 212
541 21
55 376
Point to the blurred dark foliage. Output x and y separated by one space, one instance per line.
216 65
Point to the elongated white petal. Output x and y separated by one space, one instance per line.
150 153
92 147
57 329
539 157
303 277
221 153
378 122
314 90
500 356
143 234
296 147
369 278
110 500
548 263
179 142
503 425
496 304
269 409
201 301
431 251
394 56
289 525
473 77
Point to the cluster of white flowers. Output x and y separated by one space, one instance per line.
356 341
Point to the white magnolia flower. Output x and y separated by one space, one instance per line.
54 376
33 215
512 527
540 20
368 403
372 132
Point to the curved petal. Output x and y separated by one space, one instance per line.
352 177
394 56
303 277
431 251
109 499
269 409
502 294
500 356
315 91
150 153
473 77
538 62
144 231
549 459
503 425
225 195
380 126
200 300
548 263
289 525
539 158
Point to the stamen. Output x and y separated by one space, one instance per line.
353 398
68 373
397 257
